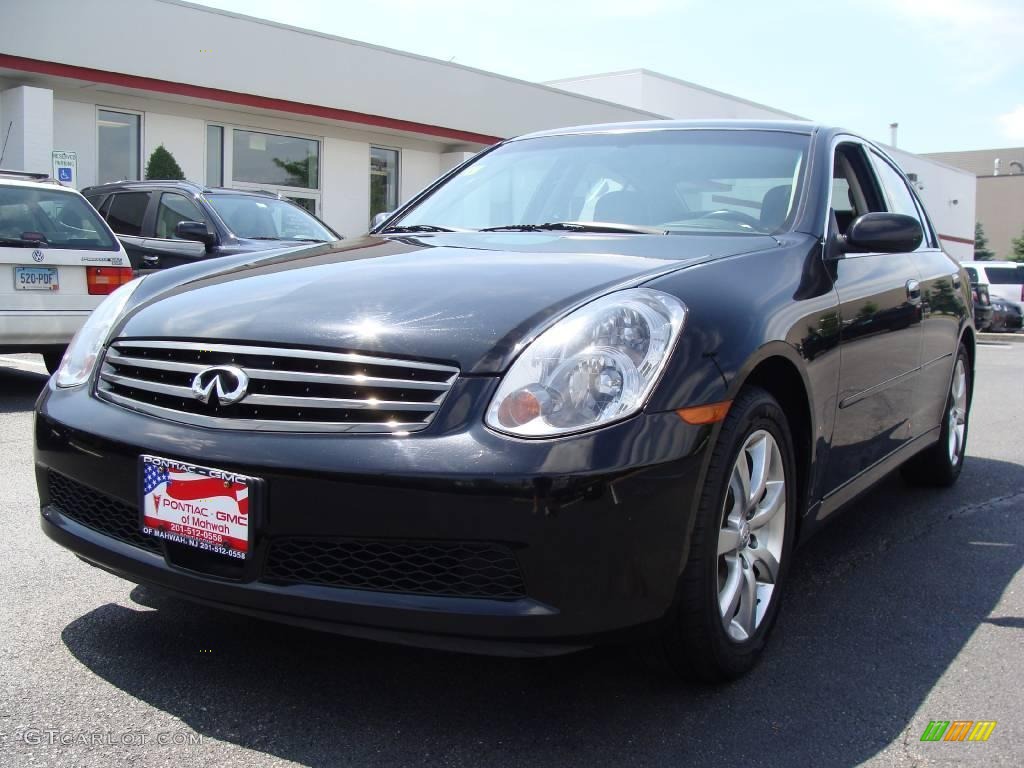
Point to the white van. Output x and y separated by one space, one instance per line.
58 259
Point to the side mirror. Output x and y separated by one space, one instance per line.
195 230
380 218
883 233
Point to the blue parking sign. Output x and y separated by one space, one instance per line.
64 174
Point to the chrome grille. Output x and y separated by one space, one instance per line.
293 390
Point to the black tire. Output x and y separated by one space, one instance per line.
691 639
52 360
936 466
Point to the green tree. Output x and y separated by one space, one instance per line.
1017 252
981 250
162 165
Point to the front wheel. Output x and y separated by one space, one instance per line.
941 463
728 596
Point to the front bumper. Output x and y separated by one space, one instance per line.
597 524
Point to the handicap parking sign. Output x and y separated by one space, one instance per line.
65 167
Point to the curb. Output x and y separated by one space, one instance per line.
1001 337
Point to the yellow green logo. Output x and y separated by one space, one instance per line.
958 730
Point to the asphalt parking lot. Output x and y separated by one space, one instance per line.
910 608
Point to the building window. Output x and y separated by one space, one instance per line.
383 180
272 160
118 146
214 156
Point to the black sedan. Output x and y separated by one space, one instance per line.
594 383
170 223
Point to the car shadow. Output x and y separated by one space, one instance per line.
19 389
879 605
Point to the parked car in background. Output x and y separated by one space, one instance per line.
982 300
594 382
169 223
1005 316
58 259
1005 279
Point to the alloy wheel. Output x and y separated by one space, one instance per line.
752 534
957 412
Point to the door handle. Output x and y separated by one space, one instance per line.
914 291
150 260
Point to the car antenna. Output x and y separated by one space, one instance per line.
4 150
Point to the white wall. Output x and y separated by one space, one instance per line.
345 186
939 185
200 46
668 96
29 112
74 130
183 137
417 169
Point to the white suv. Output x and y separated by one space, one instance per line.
1005 279
58 259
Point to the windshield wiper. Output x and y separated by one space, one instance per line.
22 242
398 229
306 239
577 226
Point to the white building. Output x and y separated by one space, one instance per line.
346 128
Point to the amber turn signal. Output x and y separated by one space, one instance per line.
705 414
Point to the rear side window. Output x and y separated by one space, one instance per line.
1005 275
126 212
972 273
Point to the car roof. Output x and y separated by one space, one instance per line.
993 263
789 126
47 183
194 187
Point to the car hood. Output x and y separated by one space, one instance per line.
471 299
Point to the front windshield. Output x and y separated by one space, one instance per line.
265 218
721 181
52 217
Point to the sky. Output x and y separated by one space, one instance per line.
950 72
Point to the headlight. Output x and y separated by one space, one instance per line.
84 349
596 366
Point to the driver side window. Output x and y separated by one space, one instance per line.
854 189
173 209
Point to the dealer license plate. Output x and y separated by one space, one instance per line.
36 279
200 507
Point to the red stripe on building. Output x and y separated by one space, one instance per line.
155 85
952 239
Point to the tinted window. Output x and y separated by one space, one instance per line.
1005 275
215 155
383 180
679 180
126 211
118 146
171 210
972 273
65 220
266 158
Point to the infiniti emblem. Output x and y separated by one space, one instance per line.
37 255
228 382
